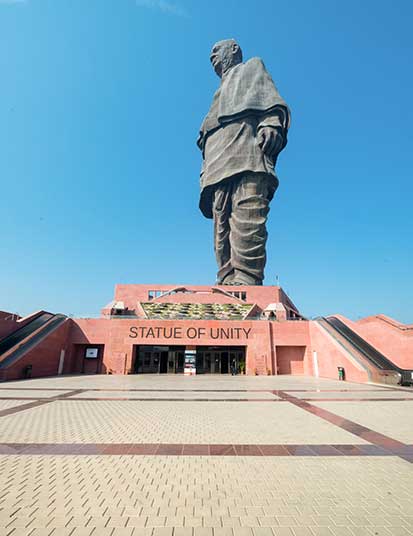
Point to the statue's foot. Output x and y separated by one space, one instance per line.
228 280
236 283
238 279
246 279
240 283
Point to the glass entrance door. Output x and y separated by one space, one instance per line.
159 359
219 360
163 365
224 362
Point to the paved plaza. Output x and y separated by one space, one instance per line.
205 456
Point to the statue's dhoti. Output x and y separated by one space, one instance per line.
240 209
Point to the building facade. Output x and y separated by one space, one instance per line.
150 329
159 329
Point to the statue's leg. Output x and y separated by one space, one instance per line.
248 235
221 209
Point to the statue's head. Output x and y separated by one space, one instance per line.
224 55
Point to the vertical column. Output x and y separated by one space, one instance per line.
315 364
272 349
61 362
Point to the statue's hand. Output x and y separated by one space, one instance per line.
269 141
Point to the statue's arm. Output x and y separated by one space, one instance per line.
272 132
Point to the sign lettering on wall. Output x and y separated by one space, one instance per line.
178 332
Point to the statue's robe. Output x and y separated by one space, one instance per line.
246 101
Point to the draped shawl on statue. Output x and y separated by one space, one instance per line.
247 88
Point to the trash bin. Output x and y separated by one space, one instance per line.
341 373
27 371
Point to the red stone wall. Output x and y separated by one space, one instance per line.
290 360
331 354
294 333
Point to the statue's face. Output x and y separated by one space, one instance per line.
224 55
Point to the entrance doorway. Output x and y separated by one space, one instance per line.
87 358
170 359
158 359
220 359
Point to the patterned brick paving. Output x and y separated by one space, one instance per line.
204 456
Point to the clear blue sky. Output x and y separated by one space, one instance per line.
100 105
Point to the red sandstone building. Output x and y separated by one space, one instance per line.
154 328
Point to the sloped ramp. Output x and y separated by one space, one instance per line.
16 345
361 349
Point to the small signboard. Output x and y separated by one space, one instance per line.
91 353
190 363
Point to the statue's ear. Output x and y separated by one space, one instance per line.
235 48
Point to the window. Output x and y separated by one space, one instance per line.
239 294
152 294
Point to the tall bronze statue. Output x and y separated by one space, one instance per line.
240 139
